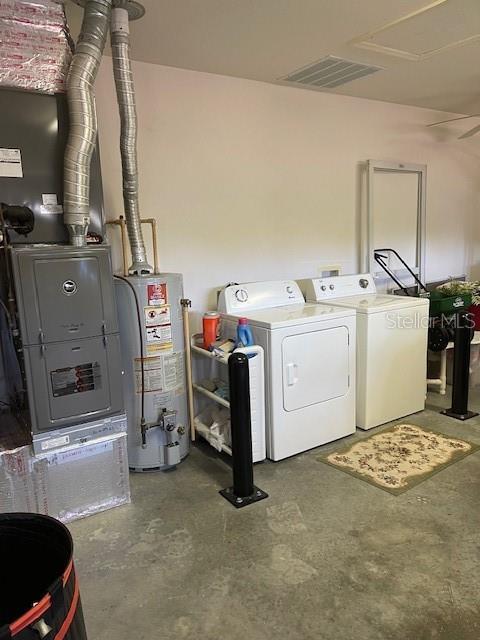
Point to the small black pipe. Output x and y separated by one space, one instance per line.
243 492
461 369
18 218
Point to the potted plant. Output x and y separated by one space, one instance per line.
460 287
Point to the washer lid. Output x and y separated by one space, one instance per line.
378 302
292 315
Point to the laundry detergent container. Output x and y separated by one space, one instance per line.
39 596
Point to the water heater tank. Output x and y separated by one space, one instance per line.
153 359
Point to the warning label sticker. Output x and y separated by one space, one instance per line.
157 315
173 370
160 336
162 373
158 328
157 294
78 379
11 163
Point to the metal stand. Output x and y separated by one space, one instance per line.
243 492
461 371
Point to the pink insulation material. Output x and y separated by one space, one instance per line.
35 50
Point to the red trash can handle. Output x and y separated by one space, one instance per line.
39 610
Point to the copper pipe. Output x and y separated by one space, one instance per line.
186 304
122 224
123 231
153 223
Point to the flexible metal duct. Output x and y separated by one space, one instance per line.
83 121
120 40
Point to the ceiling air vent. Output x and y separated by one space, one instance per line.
330 72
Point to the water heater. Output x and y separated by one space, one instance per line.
153 361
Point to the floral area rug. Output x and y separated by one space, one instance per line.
399 457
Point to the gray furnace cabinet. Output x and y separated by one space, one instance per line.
69 328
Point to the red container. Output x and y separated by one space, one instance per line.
211 322
475 311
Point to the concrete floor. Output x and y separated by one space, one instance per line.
327 556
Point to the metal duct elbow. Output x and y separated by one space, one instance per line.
120 41
83 121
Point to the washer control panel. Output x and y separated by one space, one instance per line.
259 295
319 289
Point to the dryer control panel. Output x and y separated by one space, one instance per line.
320 289
242 298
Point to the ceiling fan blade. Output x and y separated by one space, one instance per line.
434 124
470 133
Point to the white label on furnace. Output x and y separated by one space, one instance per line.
55 442
11 163
50 204
49 198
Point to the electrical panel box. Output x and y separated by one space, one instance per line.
69 331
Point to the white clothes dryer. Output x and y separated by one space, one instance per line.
309 363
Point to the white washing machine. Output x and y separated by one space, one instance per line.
309 363
391 345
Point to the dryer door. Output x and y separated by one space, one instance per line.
315 367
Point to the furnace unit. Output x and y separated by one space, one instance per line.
68 323
60 366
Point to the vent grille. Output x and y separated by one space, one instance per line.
330 72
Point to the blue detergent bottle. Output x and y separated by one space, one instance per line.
244 333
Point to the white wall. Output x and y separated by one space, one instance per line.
252 181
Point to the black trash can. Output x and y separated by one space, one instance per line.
39 595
